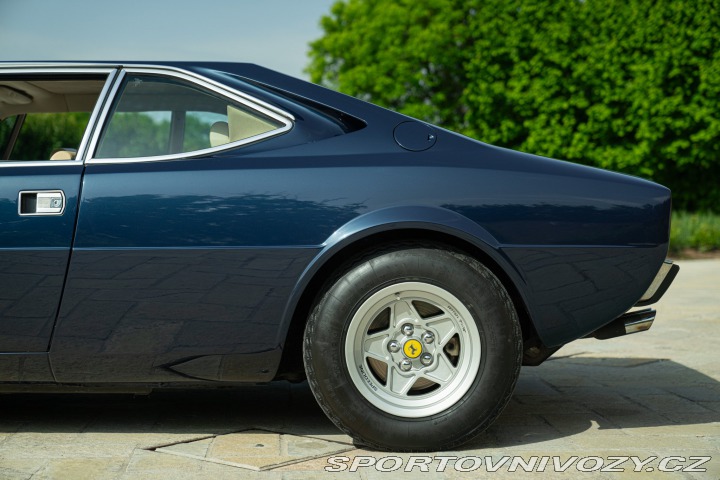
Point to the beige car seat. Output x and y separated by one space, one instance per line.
64 154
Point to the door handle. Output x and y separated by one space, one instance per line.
41 202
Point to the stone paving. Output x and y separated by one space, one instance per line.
654 394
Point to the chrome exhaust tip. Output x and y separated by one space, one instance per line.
638 321
631 322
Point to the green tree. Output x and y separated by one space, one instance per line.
43 133
136 134
631 85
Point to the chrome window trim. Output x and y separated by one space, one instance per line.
73 67
52 69
93 123
49 69
284 118
218 85
102 118
278 114
39 163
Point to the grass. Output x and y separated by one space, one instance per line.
695 231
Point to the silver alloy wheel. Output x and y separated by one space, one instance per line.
439 352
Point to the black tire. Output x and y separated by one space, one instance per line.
478 395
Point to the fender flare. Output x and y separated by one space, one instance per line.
434 219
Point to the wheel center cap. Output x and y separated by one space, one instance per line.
412 348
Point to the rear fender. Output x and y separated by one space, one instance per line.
431 219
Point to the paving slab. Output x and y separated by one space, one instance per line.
255 449
639 399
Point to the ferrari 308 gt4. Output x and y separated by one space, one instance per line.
206 224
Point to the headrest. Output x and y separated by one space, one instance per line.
219 134
64 154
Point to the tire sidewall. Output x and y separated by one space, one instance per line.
491 309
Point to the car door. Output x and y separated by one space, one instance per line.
168 277
46 115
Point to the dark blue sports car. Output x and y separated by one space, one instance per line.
211 224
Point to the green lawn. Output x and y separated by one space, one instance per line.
698 231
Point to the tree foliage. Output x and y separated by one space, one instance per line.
44 133
144 134
630 85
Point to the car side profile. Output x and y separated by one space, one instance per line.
213 224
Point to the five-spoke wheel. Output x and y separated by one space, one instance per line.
413 349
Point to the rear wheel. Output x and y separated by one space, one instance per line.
413 349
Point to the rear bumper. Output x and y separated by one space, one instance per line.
660 284
640 320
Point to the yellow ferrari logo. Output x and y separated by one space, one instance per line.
412 349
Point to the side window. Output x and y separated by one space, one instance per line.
155 116
6 129
44 136
45 117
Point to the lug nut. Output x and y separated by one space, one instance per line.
428 337
405 365
408 329
393 346
426 359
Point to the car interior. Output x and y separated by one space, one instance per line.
44 118
156 116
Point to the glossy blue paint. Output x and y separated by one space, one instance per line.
415 136
25 367
183 259
129 315
571 291
34 252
